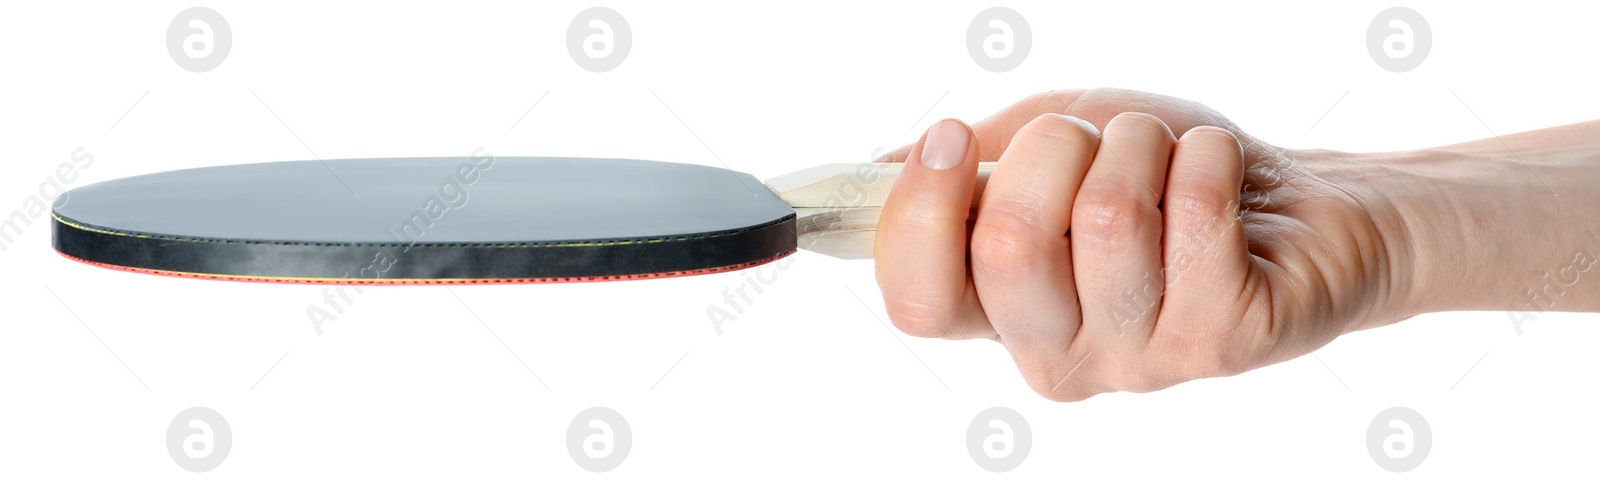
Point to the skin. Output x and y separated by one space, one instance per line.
1129 241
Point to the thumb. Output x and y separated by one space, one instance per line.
921 244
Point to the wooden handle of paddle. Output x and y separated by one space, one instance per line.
838 205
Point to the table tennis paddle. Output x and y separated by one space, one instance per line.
468 220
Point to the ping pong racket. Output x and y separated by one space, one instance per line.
468 220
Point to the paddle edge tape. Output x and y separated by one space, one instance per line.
424 263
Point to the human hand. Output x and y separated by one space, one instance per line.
1129 242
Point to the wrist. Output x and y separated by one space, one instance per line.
1432 220
1473 227
1394 211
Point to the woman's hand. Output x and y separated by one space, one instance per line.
1129 242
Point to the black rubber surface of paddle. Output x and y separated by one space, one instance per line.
480 217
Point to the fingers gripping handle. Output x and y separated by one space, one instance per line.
838 205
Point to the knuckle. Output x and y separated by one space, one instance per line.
1213 136
1067 375
1209 364
1006 245
1193 356
920 318
1136 373
1128 374
1140 122
1057 127
1211 146
1222 361
1053 386
1065 394
1147 381
1107 215
1197 213
1026 205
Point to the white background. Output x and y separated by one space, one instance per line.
808 382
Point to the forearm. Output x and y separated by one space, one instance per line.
1501 224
